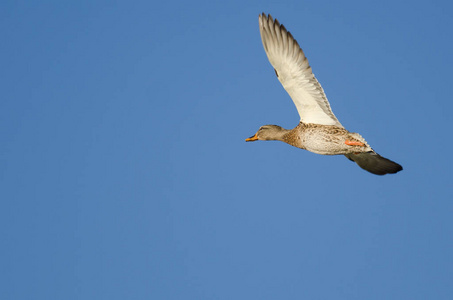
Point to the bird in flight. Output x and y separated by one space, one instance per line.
319 131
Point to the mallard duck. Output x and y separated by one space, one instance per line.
319 131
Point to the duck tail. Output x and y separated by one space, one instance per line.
374 163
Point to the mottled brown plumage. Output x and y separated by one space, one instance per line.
324 139
319 130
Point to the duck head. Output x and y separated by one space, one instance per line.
268 133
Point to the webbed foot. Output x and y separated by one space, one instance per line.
352 143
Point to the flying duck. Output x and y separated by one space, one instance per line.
319 131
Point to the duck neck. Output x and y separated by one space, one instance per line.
293 136
278 134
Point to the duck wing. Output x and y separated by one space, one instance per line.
295 74
374 163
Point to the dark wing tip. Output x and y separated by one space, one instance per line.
374 163
268 18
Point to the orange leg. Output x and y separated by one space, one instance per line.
352 143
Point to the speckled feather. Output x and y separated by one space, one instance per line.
324 139
319 130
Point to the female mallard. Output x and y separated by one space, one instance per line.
319 131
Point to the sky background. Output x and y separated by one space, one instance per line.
124 173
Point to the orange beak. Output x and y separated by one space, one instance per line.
252 138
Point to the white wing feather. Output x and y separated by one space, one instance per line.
295 74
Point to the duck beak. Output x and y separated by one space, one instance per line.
252 138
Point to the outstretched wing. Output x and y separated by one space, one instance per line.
374 163
294 73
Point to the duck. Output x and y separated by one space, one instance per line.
319 130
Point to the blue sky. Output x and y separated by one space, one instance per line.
124 173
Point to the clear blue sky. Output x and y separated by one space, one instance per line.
124 173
